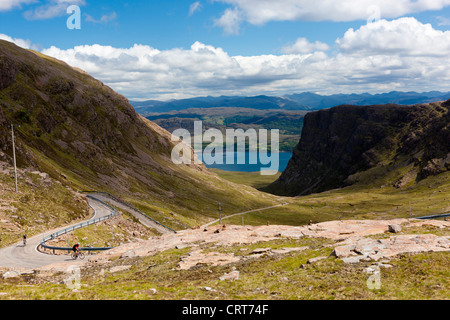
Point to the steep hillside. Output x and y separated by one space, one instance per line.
388 144
82 133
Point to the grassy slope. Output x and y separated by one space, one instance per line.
39 206
88 137
421 276
376 199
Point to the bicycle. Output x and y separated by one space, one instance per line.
24 242
78 254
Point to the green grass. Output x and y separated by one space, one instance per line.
378 200
38 207
271 277
251 179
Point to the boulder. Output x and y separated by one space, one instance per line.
316 259
395 228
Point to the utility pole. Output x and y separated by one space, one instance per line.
14 156
220 213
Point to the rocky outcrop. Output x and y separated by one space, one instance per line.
338 143
343 232
368 249
8 72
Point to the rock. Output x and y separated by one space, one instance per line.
371 269
354 259
119 268
366 249
343 251
260 250
314 260
209 289
395 228
234 275
11 274
8 73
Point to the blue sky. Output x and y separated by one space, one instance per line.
178 49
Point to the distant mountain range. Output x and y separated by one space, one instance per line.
301 101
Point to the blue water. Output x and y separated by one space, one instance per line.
283 157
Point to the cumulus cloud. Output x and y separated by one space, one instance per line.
26 44
402 54
404 36
259 12
302 45
230 21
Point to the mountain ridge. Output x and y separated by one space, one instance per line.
301 101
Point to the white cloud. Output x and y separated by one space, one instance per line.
26 44
6 5
259 12
404 36
402 54
302 46
52 8
230 21
194 7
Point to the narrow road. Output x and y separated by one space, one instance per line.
142 219
28 257
242 213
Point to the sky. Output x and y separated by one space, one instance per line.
181 49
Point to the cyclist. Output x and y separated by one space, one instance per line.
24 239
76 248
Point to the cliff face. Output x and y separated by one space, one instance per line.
340 143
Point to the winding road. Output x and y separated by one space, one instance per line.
29 257
242 213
